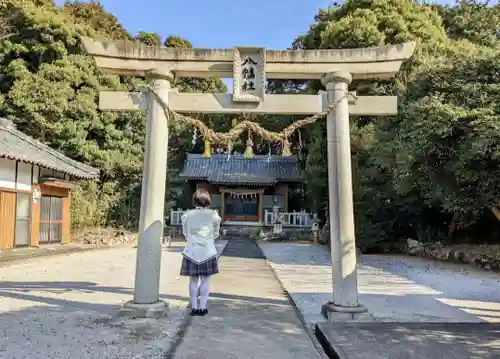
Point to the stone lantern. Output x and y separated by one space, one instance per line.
315 227
278 221
276 207
278 224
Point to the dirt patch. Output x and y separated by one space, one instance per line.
105 237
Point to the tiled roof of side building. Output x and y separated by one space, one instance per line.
15 145
237 170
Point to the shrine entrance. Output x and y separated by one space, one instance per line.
243 208
249 67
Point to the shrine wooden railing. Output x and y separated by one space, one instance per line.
300 219
175 216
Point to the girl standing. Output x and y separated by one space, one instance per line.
200 227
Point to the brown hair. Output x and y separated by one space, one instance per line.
201 198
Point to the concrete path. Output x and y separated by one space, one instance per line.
249 315
394 288
413 340
421 308
60 306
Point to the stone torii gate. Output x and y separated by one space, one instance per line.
249 67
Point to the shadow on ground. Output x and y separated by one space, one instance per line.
249 315
68 330
239 330
414 340
21 290
394 288
84 326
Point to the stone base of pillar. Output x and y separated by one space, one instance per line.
133 310
336 313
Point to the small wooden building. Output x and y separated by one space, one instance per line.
243 189
35 186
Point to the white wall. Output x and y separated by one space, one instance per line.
24 176
36 172
7 173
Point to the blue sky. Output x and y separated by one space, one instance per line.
220 23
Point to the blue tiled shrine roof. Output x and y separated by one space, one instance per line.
237 170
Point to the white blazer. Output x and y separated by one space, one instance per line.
200 227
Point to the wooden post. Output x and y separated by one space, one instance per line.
35 218
7 219
66 216
222 204
261 198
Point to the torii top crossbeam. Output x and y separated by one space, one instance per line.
135 58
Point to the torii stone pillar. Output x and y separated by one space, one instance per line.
345 303
146 301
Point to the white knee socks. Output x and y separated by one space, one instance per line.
193 292
204 291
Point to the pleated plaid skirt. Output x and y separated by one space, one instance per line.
207 268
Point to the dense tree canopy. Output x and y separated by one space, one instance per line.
49 88
431 172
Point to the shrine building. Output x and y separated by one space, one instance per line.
242 189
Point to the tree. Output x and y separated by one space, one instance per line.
41 55
149 38
472 20
409 192
365 23
451 152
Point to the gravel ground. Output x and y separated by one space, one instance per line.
393 288
62 307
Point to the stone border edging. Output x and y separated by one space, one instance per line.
333 351
5 262
480 256
310 330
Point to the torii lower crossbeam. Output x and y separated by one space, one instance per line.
273 104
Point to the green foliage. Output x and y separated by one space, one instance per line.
451 154
93 15
431 172
149 38
49 87
363 23
471 20
91 203
177 42
316 169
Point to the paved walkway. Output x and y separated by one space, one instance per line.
413 340
60 306
421 308
394 288
249 315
